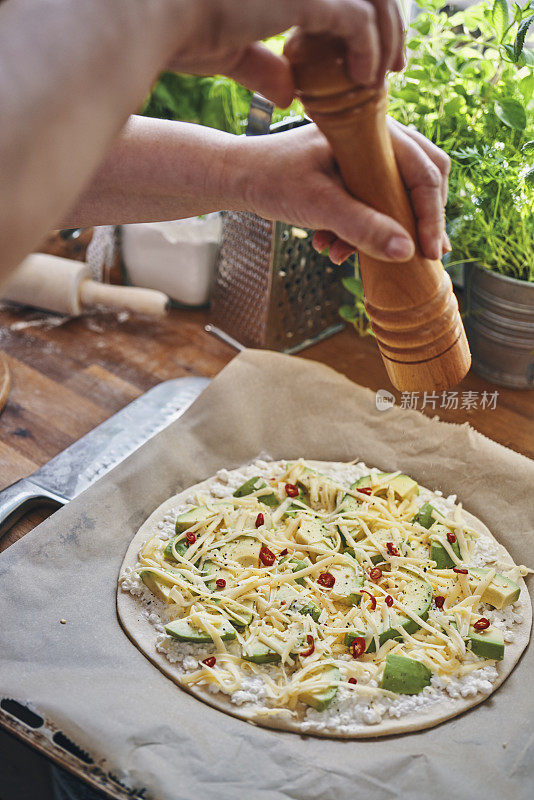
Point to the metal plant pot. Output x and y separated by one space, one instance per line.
500 327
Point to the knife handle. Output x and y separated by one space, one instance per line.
19 498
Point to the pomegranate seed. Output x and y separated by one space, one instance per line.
326 579
353 680
439 600
190 538
311 646
451 538
357 647
481 624
220 583
392 550
460 571
388 600
284 552
365 490
267 557
375 574
291 490
373 598
209 662
260 519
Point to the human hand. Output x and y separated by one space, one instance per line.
222 37
293 177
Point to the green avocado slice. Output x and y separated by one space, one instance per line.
501 592
252 485
417 599
259 653
181 629
438 553
294 602
403 486
405 675
487 644
156 584
426 516
319 699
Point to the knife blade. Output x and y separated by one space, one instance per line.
95 454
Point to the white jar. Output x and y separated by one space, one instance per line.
176 257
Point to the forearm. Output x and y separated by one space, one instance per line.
157 170
70 73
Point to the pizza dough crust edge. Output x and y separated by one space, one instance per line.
141 632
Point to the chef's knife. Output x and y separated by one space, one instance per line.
96 453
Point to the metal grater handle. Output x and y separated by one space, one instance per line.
259 116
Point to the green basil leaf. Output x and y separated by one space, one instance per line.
512 113
354 286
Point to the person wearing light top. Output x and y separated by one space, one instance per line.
72 72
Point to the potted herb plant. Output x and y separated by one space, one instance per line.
468 86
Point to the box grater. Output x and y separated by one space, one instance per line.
272 289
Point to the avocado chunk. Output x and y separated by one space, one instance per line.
403 486
300 503
500 593
319 699
252 485
238 616
294 602
312 532
259 653
426 516
245 551
296 565
405 675
438 553
417 598
192 517
156 584
487 644
182 629
348 581
181 548
213 572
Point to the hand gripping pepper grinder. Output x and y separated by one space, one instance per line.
411 305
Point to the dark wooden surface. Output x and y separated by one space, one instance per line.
68 377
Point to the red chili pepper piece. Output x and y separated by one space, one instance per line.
357 647
375 574
451 538
388 600
220 583
260 519
460 571
291 490
311 646
392 550
190 538
365 490
209 662
353 680
439 600
267 557
283 552
481 624
373 598
326 579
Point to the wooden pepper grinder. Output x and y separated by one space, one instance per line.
411 305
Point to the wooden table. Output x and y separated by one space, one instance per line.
68 377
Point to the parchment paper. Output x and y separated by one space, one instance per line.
89 679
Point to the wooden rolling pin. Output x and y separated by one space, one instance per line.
411 305
65 286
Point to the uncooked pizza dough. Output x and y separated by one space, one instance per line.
324 598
